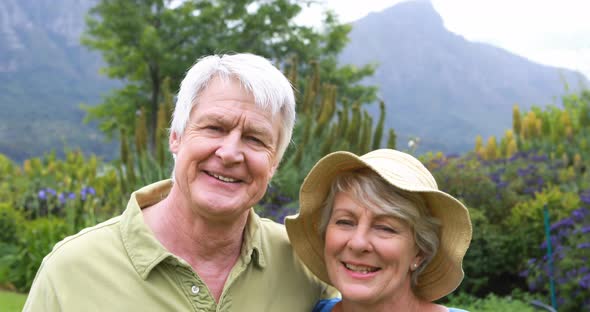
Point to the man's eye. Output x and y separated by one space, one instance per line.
255 140
214 128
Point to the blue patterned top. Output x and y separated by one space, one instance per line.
328 304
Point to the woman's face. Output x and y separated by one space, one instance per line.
368 255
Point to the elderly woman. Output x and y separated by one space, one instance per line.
377 228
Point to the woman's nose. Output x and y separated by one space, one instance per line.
359 241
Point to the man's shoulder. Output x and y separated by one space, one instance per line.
85 244
273 231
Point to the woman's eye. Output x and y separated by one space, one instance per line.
344 222
386 228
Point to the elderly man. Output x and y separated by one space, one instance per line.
194 243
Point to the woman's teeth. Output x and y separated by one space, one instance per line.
360 268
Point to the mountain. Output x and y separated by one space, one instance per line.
437 85
45 74
442 88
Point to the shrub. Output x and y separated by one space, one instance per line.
570 261
275 205
491 258
10 222
491 303
36 240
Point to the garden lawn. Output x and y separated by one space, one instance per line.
11 302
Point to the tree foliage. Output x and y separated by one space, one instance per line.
146 41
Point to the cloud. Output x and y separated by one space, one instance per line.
549 32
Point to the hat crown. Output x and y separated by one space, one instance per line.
407 172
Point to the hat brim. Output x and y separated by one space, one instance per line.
440 277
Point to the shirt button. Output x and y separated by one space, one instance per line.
195 289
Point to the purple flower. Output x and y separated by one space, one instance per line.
562 223
61 197
283 199
579 213
51 191
42 194
502 184
583 245
72 196
539 158
532 286
83 193
585 281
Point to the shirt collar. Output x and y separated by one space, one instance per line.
253 245
146 252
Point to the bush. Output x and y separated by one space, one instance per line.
11 221
570 261
490 303
491 258
505 197
36 240
275 205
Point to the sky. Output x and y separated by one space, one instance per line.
551 32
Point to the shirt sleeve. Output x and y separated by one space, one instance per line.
42 296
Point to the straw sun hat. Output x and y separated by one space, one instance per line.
443 274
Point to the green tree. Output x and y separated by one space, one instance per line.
326 123
144 41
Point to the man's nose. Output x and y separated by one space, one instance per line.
230 149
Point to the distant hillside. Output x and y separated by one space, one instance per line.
44 76
439 86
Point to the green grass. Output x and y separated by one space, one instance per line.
11 302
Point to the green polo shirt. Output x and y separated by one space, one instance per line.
119 265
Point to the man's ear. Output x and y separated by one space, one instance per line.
273 169
174 142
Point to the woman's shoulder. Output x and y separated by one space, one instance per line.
326 305
457 310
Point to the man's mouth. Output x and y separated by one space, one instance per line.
361 268
222 178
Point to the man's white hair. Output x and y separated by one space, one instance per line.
272 91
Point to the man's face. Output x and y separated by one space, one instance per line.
227 153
